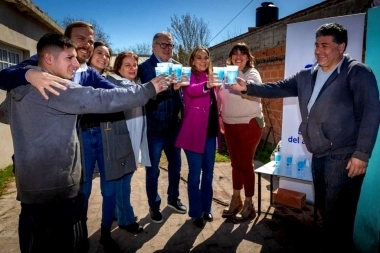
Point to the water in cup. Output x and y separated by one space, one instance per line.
220 72
187 72
232 73
277 158
177 69
169 65
301 162
289 159
161 70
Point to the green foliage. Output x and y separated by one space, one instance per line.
6 175
222 156
263 153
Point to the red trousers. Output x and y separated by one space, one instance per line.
242 141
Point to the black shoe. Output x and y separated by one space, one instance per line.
155 216
178 206
208 217
198 222
133 228
109 244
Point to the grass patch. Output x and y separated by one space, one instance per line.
263 153
6 175
222 156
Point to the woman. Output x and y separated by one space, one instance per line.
100 59
107 143
198 134
92 132
241 120
125 72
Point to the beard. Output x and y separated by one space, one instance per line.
83 59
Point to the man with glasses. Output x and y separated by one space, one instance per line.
163 123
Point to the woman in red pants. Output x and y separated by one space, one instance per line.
241 119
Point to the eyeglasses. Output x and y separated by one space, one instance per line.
165 45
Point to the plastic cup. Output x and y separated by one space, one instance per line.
169 65
289 159
161 70
277 158
220 72
232 73
177 69
301 162
187 72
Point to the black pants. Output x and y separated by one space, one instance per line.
337 197
58 226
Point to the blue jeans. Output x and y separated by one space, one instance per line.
337 196
93 152
173 154
200 191
125 214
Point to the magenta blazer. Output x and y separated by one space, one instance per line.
193 131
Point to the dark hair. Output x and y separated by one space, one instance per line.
191 59
101 44
244 49
119 61
76 24
53 42
337 31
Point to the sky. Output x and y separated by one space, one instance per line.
135 22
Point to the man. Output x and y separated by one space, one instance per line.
339 105
82 34
163 124
48 168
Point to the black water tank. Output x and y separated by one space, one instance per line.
266 13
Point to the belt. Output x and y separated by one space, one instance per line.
85 126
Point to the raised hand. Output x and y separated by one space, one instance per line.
241 84
161 83
43 80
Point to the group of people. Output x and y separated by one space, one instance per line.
128 115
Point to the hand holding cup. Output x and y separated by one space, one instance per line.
161 83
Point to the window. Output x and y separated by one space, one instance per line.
9 57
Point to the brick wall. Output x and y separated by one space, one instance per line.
268 44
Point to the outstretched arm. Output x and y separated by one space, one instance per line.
17 75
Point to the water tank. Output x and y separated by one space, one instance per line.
266 13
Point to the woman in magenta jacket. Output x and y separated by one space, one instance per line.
197 136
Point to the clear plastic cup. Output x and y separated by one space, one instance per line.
169 65
177 69
277 158
232 73
187 72
289 159
161 70
220 72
